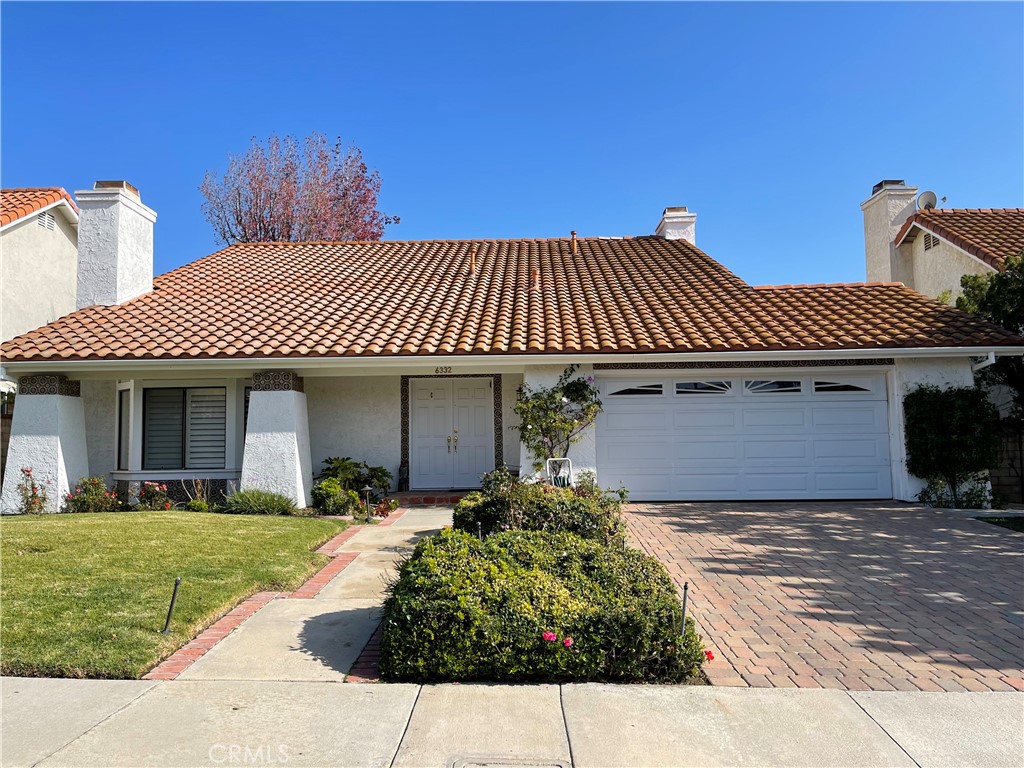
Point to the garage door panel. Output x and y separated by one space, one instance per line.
705 451
797 483
721 482
773 418
710 418
855 484
841 417
776 449
733 442
657 420
851 449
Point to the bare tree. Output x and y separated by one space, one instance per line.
282 189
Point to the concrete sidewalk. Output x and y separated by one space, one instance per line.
319 638
217 723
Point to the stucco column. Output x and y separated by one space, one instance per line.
277 456
582 453
48 436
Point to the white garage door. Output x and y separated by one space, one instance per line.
745 437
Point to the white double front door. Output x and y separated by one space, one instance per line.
451 432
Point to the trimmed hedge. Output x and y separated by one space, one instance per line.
507 504
533 606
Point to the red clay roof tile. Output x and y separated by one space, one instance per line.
644 294
18 203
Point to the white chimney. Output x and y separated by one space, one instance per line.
890 205
115 244
678 224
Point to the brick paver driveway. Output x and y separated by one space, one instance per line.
845 595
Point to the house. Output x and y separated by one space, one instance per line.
930 249
38 270
251 365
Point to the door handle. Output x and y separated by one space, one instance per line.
449 443
456 441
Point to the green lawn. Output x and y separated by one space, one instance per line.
1013 523
86 595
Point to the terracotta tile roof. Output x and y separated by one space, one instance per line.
643 294
990 234
18 203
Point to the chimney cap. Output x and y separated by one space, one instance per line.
887 183
675 209
119 184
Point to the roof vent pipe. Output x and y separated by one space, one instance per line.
575 245
535 279
472 260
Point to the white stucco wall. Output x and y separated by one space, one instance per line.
277 454
583 453
356 416
943 372
99 399
39 274
48 435
115 244
940 267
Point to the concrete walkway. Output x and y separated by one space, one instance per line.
220 722
320 638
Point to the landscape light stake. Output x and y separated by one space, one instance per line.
686 588
170 610
479 530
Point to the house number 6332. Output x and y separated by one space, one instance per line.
443 369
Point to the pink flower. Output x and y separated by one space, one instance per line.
550 636
709 655
567 642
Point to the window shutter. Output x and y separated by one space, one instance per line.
163 429
207 427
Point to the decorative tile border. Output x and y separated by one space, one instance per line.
367 666
724 364
277 381
49 384
499 421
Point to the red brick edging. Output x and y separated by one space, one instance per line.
188 654
367 666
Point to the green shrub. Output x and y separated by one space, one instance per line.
257 502
91 495
154 496
197 505
464 609
356 475
952 436
506 503
329 498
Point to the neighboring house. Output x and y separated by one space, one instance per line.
38 270
252 365
929 250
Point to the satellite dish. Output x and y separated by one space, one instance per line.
926 200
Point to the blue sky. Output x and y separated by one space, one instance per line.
770 121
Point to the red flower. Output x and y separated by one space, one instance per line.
709 655
167 505
567 642
550 636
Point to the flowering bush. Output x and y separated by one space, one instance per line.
154 496
506 503
531 607
91 495
553 419
33 493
